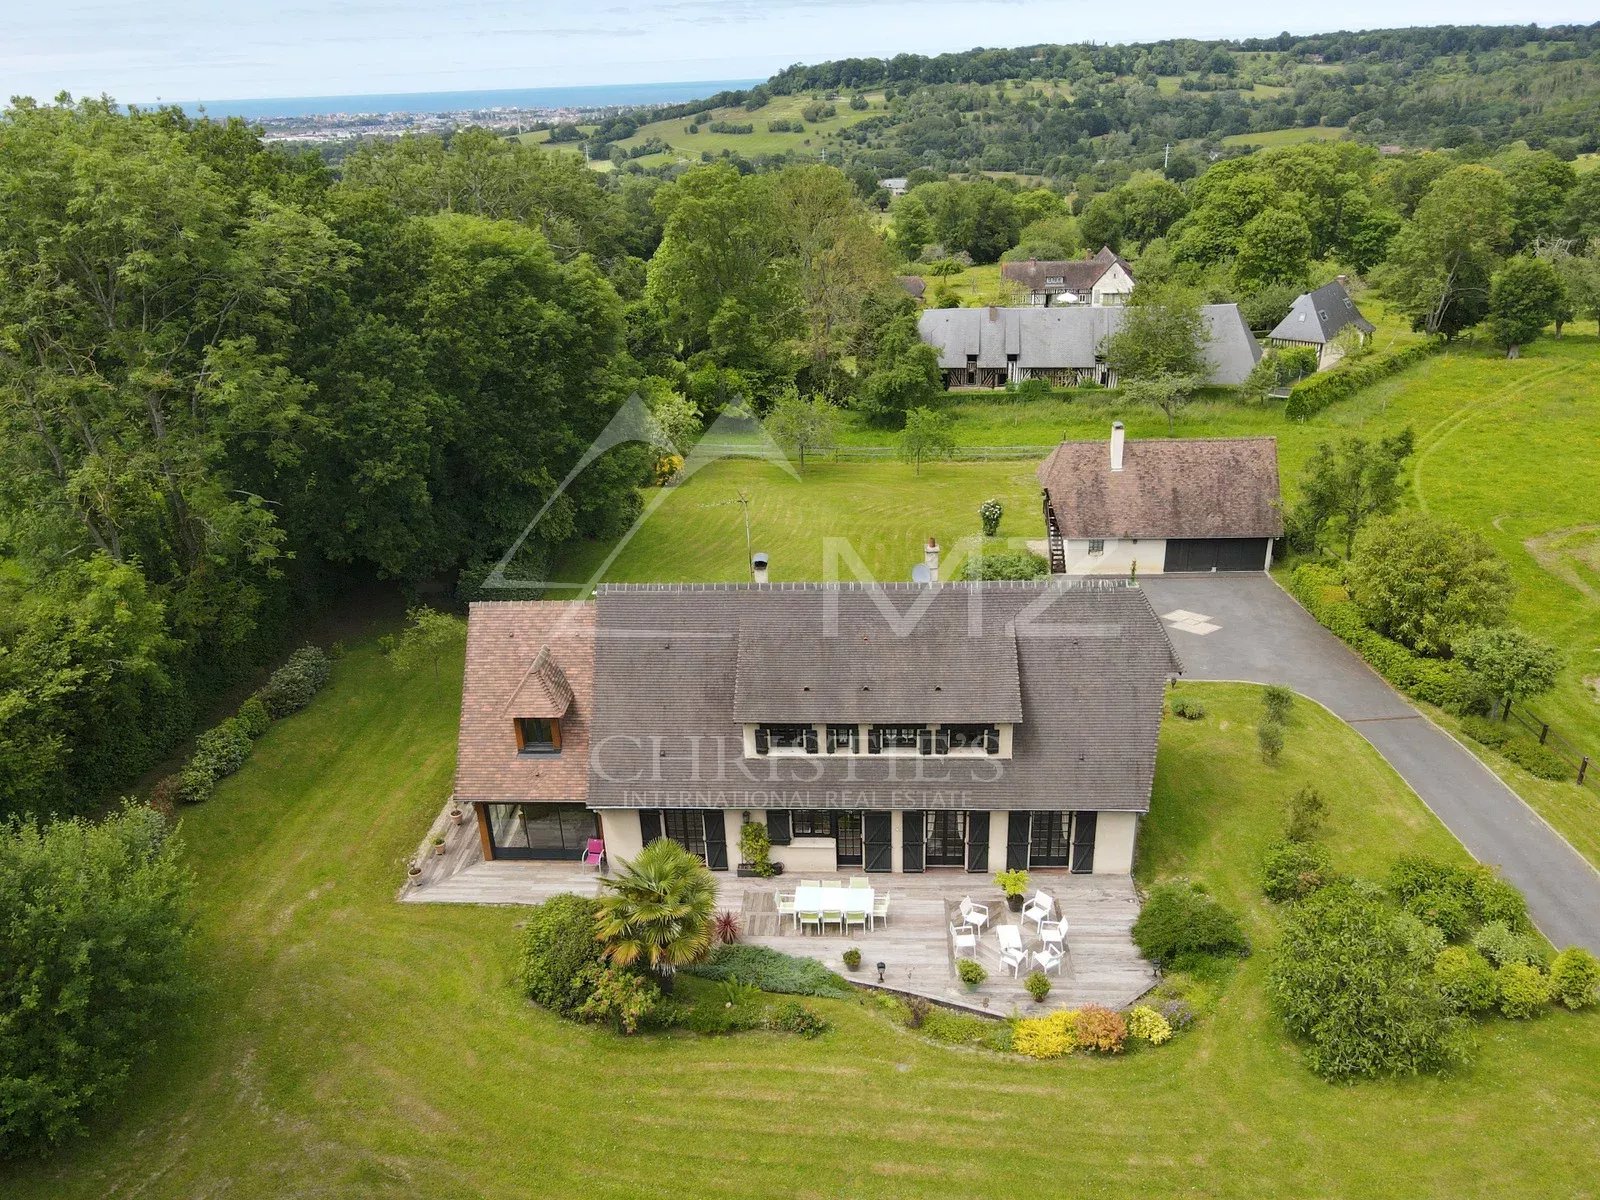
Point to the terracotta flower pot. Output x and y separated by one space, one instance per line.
457 816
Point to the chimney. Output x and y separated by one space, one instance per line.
930 557
1344 280
758 567
1116 445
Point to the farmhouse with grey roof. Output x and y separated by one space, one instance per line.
1317 318
1124 507
882 727
991 347
1103 278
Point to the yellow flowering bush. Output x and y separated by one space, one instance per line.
1145 1024
1046 1037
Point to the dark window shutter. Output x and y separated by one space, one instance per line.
877 836
1019 833
941 740
778 826
811 739
977 841
716 839
763 742
925 741
913 836
874 739
649 825
991 739
1083 825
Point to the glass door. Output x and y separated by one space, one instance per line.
847 838
947 839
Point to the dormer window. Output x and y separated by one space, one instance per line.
888 739
538 735
970 739
843 739
786 739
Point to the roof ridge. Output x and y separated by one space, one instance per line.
1055 583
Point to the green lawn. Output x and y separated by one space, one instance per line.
346 1045
1286 137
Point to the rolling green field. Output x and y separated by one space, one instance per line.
1285 137
346 1045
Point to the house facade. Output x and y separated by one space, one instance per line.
1131 508
1317 318
880 728
991 347
1098 279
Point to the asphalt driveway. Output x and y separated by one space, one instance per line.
1245 627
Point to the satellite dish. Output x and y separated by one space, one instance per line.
921 574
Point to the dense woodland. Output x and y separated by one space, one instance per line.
233 380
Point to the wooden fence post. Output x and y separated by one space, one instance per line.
1583 768
1544 732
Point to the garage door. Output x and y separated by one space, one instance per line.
1216 554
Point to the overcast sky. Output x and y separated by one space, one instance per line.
205 49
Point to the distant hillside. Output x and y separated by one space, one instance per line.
1064 111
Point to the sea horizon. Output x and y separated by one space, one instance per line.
593 95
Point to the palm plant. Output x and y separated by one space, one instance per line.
658 910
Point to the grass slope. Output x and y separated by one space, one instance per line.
347 1045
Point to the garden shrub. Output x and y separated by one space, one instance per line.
1306 810
1445 909
221 751
1051 1036
1005 564
1456 898
1278 701
1177 1013
771 971
253 717
1343 984
291 687
1496 900
1465 979
1312 395
195 784
794 1017
1504 946
1421 940
961 1029
166 794
1293 870
1145 1024
558 948
1524 990
989 514
1575 977
1487 731
1100 1029
1539 761
617 997
1413 874
1179 918
971 972
1269 736
1038 985
917 1010
1188 708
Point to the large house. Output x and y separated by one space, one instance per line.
1317 318
991 347
1124 507
882 727
1100 279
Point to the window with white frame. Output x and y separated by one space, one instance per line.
1097 545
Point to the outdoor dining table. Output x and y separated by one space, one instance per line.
855 901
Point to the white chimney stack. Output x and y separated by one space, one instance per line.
758 567
930 556
1116 445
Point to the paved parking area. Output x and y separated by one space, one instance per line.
1245 627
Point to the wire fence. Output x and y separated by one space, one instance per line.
1553 741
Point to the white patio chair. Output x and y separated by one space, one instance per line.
880 908
1012 953
1054 933
786 908
833 883
858 882
856 918
974 914
1047 959
832 915
810 883
808 920
1039 908
1013 959
966 938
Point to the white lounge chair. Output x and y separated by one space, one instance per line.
974 914
880 908
966 938
1048 959
1039 908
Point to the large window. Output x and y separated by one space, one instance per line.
539 830
1051 839
538 735
842 738
786 739
971 739
843 827
687 828
946 839
898 737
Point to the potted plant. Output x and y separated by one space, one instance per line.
971 972
1015 886
1038 985
438 843
413 874
755 850
852 958
456 815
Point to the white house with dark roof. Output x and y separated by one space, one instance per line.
1098 279
1121 507
1317 318
991 347
885 728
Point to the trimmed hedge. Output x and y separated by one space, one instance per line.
1313 395
559 954
291 687
1437 681
1180 918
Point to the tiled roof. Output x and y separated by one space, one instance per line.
1319 316
1055 338
1167 488
520 656
1062 275
915 285
1091 665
